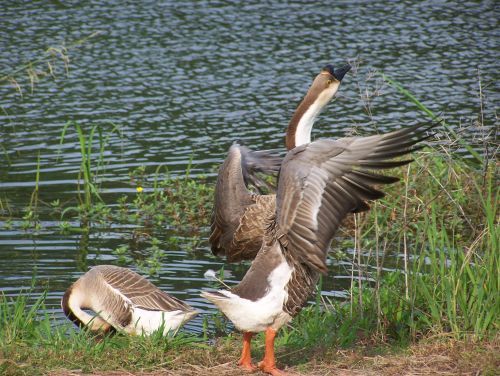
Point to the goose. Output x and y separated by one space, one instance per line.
239 216
123 301
319 183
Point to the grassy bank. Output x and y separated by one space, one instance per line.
34 346
442 222
437 311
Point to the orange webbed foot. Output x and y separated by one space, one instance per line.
268 364
270 368
247 366
245 361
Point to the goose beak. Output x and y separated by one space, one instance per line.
340 73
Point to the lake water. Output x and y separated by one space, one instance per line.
184 80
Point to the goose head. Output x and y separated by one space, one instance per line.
322 90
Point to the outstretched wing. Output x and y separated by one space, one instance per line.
321 182
240 217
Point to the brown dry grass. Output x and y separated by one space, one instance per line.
428 357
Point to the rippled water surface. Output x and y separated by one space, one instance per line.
182 81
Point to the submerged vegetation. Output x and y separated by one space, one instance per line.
159 201
180 204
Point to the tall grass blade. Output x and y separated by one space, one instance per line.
432 115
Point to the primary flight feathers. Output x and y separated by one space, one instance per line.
321 182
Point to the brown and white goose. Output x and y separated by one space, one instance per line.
123 301
240 216
319 184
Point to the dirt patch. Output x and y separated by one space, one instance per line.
429 357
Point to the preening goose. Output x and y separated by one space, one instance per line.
123 301
240 216
319 184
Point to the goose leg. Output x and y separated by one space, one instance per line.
246 357
268 364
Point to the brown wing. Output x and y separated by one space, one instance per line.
247 238
323 181
139 290
240 217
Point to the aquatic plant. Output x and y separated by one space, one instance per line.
44 65
88 173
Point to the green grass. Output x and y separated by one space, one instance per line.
88 173
440 224
442 227
441 219
31 344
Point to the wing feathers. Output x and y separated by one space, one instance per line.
321 182
137 290
240 217
372 178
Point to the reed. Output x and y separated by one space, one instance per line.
432 115
88 173
444 231
31 217
456 287
444 228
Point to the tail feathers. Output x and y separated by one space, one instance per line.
214 296
189 315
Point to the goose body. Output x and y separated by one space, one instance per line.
319 183
124 301
257 302
240 216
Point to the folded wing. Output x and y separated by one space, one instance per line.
131 288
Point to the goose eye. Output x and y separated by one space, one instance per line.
328 82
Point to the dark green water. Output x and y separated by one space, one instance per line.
184 80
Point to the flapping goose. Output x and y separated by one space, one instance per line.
123 301
319 184
240 216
